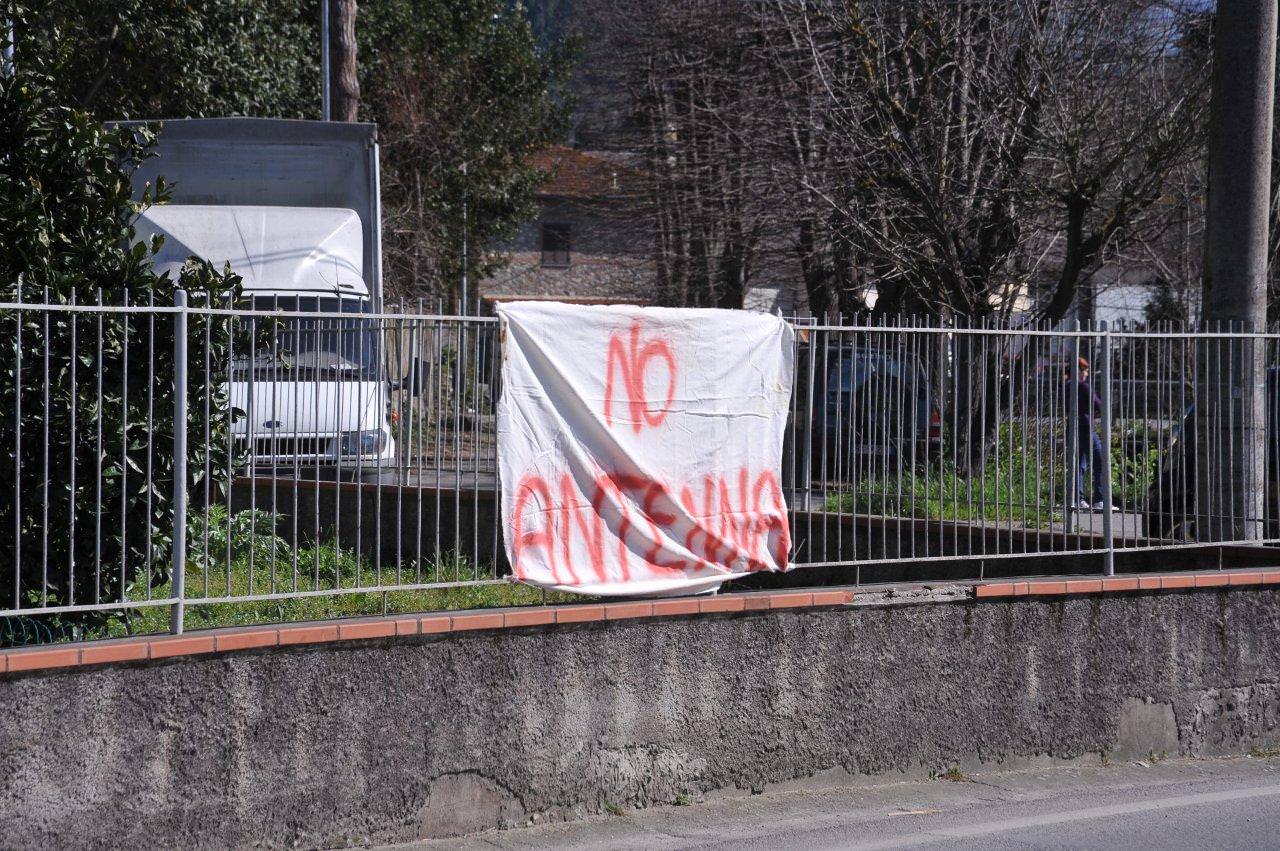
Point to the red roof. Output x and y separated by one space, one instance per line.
583 175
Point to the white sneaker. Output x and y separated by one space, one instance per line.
1101 505
1084 505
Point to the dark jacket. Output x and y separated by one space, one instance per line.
1087 402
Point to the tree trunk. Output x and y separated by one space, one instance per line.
812 269
977 403
344 82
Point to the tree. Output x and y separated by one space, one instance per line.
463 95
697 91
86 445
174 58
938 158
345 81
1167 303
977 144
1128 113
462 91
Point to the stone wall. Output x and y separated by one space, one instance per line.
404 737
610 258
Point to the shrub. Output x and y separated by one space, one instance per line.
97 493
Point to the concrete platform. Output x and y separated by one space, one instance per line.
1160 803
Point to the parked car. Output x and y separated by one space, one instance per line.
872 408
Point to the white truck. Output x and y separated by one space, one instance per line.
293 207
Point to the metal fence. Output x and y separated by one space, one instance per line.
981 443
164 457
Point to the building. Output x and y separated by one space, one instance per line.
591 241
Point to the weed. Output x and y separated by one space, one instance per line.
612 809
1264 753
683 800
953 773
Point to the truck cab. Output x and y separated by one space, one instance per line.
313 391
294 208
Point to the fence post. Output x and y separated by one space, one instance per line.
1108 532
179 536
1071 467
810 418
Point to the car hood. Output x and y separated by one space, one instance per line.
307 407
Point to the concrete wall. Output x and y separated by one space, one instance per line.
400 738
402 524
394 525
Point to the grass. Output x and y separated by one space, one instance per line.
945 495
355 604
245 556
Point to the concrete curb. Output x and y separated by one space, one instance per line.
155 647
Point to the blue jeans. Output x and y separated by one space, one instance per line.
1089 454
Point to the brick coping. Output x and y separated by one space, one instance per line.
151 647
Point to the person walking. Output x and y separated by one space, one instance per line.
1089 452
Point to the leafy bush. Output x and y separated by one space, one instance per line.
215 540
86 440
246 545
1022 481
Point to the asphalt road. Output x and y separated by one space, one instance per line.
1171 804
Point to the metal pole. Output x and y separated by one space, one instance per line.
179 460
463 295
1109 558
461 361
810 417
324 60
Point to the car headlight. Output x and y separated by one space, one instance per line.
362 442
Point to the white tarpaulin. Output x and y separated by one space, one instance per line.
640 449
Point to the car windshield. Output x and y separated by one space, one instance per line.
348 347
852 372
857 368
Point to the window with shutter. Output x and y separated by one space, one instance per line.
555 245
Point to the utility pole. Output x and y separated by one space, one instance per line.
1230 413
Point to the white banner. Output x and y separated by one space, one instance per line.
640 449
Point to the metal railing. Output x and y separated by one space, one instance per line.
200 456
